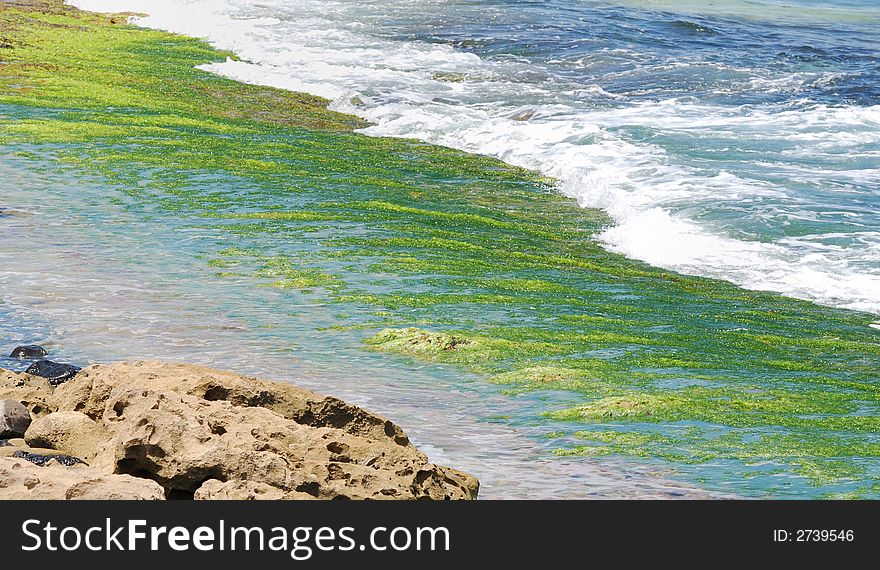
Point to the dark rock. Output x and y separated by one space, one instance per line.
9 213
54 372
28 351
41 460
4 443
14 419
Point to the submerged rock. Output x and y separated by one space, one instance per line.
54 372
14 419
523 115
28 351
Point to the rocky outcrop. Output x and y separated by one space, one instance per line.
20 479
14 419
288 401
207 434
33 392
66 431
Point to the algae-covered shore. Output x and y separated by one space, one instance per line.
440 256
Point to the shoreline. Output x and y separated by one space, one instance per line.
677 243
583 296
151 430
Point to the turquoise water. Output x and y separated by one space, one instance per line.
723 139
97 276
738 140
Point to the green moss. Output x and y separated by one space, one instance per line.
541 376
637 406
287 216
499 273
417 341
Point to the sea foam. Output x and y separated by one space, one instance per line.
680 214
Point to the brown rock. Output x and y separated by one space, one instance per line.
66 431
20 479
32 391
291 402
181 441
212 489
202 433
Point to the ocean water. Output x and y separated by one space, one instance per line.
762 172
94 279
737 140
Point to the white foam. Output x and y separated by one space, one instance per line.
326 48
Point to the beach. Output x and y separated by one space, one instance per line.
153 209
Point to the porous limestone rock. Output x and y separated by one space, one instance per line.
208 434
289 401
20 479
32 391
212 489
181 441
66 431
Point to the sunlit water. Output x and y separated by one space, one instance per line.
100 279
738 140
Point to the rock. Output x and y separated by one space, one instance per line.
28 351
4 442
184 426
212 489
20 479
12 449
9 212
524 115
208 434
41 459
54 372
14 419
69 432
32 391
291 402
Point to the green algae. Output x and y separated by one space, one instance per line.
500 274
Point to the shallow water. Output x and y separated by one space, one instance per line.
93 281
738 140
172 247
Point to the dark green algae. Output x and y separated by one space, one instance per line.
452 258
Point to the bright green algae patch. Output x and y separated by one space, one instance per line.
454 259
